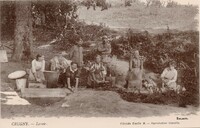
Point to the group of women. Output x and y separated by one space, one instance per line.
70 69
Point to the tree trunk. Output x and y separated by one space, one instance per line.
23 31
0 22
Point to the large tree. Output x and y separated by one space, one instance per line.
23 37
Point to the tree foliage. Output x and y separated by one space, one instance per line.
53 15
7 19
48 14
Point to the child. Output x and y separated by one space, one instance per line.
72 75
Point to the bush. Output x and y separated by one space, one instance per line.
81 30
172 4
168 98
160 49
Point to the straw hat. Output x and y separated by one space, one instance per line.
63 53
136 52
105 37
98 56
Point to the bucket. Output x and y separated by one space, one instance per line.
111 80
21 83
51 78
120 80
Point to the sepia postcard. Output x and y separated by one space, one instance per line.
99 63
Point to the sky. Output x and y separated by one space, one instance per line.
193 2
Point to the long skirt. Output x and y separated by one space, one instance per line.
98 77
134 79
135 74
39 75
171 86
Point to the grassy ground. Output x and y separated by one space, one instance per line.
88 103
141 18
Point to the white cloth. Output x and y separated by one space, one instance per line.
169 74
37 66
169 77
59 63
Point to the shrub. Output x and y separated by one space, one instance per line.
171 4
159 49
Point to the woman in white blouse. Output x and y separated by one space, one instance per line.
169 76
37 69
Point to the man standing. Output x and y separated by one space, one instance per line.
93 4
104 49
76 53
104 5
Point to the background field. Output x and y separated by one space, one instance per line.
139 17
